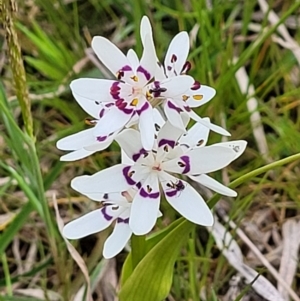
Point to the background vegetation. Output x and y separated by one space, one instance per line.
247 50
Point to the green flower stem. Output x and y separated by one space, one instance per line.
6 275
138 249
213 201
7 11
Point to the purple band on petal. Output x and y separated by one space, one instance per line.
162 142
171 193
126 68
105 215
122 106
145 194
123 220
143 108
101 138
144 71
115 90
173 107
108 105
135 157
128 179
186 160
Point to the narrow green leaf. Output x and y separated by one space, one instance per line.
151 241
152 278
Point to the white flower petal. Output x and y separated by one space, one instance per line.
92 88
173 114
214 185
176 86
130 142
133 59
76 155
177 54
148 62
160 72
146 126
201 96
213 127
111 56
145 29
116 242
77 140
201 160
125 159
93 108
111 179
186 200
145 206
158 119
196 136
90 223
101 145
113 120
238 146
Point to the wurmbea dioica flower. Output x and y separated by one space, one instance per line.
116 209
176 64
131 95
151 170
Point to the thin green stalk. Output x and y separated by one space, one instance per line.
6 275
256 172
7 10
192 268
138 249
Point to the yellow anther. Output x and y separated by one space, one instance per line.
185 97
134 78
134 102
197 97
148 95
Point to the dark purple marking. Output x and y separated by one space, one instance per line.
123 220
101 138
171 193
173 107
145 194
105 196
101 113
114 90
196 86
122 106
186 67
138 185
105 214
157 90
173 58
187 108
143 108
186 160
162 142
144 71
128 179
142 151
169 68
126 68
108 105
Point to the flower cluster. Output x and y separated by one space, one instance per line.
146 109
